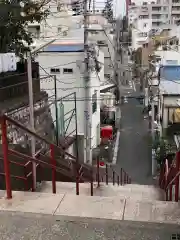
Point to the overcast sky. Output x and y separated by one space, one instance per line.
119 7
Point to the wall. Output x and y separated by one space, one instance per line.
107 48
168 55
165 103
60 25
66 83
140 32
95 86
69 83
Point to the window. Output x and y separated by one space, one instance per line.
59 29
67 70
143 34
55 70
94 102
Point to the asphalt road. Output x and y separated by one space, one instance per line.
134 154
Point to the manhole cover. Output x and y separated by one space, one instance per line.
175 236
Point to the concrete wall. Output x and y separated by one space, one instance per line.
140 32
168 56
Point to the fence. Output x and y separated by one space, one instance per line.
169 178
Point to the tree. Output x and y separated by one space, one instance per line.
14 18
108 10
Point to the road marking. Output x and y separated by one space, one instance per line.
134 87
116 148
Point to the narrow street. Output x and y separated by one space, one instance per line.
134 150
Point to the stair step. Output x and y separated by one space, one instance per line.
70 205
128 192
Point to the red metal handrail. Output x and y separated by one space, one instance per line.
169 177
27 130
80 168
121 178
6 151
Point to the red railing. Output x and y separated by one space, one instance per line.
71 168
169 178
119 178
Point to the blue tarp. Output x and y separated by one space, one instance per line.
170 73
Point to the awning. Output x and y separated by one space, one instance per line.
177 115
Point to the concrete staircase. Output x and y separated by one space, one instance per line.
130 212
129 191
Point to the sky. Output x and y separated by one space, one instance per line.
119 7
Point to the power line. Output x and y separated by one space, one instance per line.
91 99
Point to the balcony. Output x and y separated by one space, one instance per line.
156 9
175 3
175 10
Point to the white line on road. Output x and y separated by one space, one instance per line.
134 87
116 148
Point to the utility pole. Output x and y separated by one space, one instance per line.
31 105
88 106
31 113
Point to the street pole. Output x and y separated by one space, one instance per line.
31 106
88 107
152 119
56 111
31 113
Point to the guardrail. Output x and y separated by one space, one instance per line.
169 178
119 178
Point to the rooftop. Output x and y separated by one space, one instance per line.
170 72
169 87
65 47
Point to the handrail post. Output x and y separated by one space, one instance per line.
91 183
106 174
167 199
98 179
113 178
177 179
127 178
5 157
121 176
170 192
53 163
124 177
118 180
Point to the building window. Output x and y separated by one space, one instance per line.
94 102
143 34
67 70
55 70
59 29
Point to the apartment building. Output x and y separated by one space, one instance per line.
161 13
140 32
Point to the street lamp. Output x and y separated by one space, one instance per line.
31 104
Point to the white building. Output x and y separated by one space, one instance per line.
162 12
168 49
59 24
101 33
65 61
140 31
